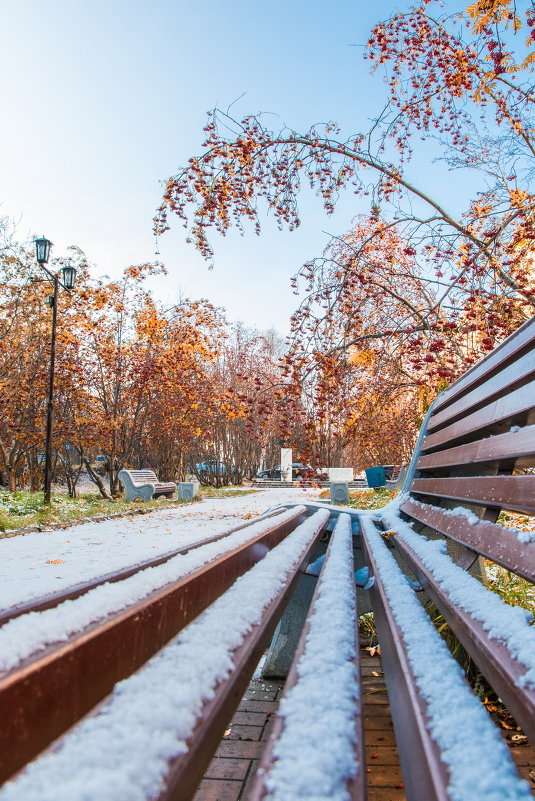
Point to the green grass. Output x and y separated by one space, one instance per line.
22 509
514 590
368 498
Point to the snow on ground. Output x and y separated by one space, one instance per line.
41 562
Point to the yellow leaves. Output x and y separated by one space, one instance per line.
358 357
54 561
485 12
518 197
530 59
373 650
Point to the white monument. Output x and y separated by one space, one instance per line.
286 464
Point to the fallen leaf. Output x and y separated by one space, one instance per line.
54 561
519 738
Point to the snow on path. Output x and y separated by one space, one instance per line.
86 551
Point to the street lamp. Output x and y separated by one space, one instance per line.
42 254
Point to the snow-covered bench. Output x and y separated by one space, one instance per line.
205 629
475 456
144 485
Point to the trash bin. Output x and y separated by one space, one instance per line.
375 476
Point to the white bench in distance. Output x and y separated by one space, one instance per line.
144 485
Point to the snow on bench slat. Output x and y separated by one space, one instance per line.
320 708
508 624
473 519
478 760
123 750
31 633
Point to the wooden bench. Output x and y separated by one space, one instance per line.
144 485
153 735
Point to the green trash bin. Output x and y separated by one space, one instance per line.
375 476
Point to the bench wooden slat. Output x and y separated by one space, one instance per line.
51 600
511 407
496 387
512 446
498 543
493 658
510 492
508 351
106 654
356 787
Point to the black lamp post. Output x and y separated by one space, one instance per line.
42 254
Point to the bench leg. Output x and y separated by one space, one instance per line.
284 643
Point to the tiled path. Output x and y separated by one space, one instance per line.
236 759
229 773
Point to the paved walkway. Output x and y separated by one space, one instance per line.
230 772
236 759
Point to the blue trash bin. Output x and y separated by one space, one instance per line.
375 476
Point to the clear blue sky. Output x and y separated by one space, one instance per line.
102 99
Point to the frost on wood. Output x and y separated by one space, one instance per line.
477 759
511 625
31 633
473 519
123 750
320 708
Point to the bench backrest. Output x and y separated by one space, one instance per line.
142 476
476 456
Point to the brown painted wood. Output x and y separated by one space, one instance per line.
500 384
357 787
510 492
512 406
511 446
50 693
53 599
424 774
496 662
507 352
188 769
498 543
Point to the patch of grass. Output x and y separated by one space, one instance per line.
514 590
367 498
372 498
367 629
23 509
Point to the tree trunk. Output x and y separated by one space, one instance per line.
95 478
